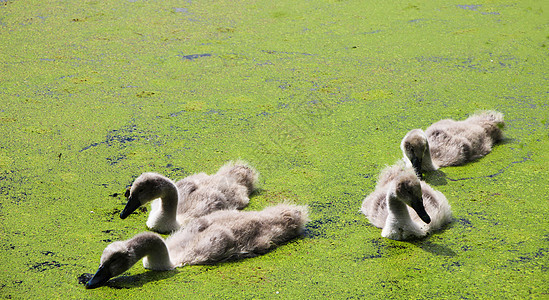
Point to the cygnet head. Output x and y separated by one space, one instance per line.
414 146
145 188
408 190
116 259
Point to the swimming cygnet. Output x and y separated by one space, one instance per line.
175 204
219 236
450 143
404 206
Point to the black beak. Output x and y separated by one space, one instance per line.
416 163
101 277
417 205
131 206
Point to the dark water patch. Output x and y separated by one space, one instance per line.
90 146
390 285
48 253
525 102
525 258
453 266
465 223
501 171
115 212
194 56
483 217
177 171
485 65
47 265
322 207
469 7
17 282
214 112
318 228
435 59
465 248
475 8
119 137
284 52
372 32
181 10
379 249
113 234
366 175
12 185
177 113
114 160
534 257
282 84
145 94
84 278
112 215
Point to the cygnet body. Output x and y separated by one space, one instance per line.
175 204
451 143
405 207
219 236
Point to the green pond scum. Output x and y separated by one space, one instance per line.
316 95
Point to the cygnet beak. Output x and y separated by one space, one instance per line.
416 163
101 277
417 205
131 206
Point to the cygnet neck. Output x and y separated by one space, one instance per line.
397 209
153 249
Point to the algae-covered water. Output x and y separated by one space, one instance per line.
316 95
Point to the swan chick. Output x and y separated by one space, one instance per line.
119 256
416 152
452 143
175 204
405 207
220 236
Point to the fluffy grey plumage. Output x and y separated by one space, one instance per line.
404 206
219 236
200 194
450 143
